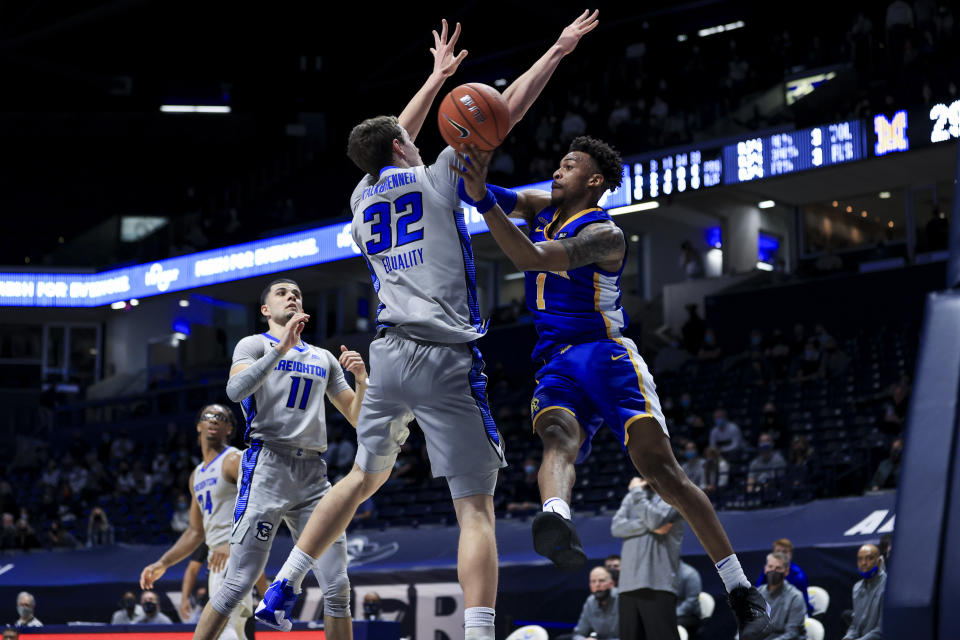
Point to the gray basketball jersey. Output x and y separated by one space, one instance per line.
287 409
411 229
217 499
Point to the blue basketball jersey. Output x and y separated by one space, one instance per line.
576 306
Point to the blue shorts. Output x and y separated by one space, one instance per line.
605 381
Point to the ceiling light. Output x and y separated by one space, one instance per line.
766 204
884 195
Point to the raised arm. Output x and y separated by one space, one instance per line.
445 63
524 90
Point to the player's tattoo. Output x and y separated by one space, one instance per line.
596 243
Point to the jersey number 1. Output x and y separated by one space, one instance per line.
295 388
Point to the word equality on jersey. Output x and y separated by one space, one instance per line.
402 261
390 182
301 367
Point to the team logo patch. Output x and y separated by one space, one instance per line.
562 234
534 406
263 530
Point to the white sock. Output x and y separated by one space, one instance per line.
297 566
732 573
478 622
559 506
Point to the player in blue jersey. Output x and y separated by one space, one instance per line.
573 259
424 361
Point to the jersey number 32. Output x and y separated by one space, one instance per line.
408 208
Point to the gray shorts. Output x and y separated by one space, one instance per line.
278 484
444 388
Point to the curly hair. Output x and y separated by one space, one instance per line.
605 156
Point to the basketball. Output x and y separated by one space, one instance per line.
474 113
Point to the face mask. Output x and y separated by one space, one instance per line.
869 574
685 403
720 422
181 506
370 609
774 578
25 612
755 340
129 603
150 607
602 595
689 455
765 446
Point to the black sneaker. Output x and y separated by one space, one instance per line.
751 611
554 537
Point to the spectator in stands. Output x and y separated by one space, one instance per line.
887 475
26 606
122 446
125 482
778 353
142 481
691 262
725 435
767 467
58 538
835 360
693 465
526 493
600 616
795 575
97 479
181 514
8 503
151 610
770 422
716 471
371 606
129 610
711 349
787 604
612 564
689 586
11 633
808 366
51 476
653 533
9 533
76 475
99 529
693 330
799 463
24 537
867 595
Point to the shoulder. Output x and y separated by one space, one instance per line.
366 181
256 341
322 354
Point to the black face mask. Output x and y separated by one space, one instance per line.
129 604
370 609
774 578
614 575
149 607
602 595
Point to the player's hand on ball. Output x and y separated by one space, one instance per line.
218 557
583 25
150 574
292 331
444 62
473 170
352 362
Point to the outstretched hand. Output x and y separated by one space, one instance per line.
473 170
583 25
445 63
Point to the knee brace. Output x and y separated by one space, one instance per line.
336 596
237 583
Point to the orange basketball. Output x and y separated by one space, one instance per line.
474 113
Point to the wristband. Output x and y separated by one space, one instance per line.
489 202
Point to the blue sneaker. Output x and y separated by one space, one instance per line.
276 608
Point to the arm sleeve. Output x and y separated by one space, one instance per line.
244 384
444 179
623 525
336 380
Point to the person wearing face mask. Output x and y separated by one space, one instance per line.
868 595
767 467
795 575
887 475
371 606
788 608
693 465
689 586
526 493
612 564
26 605
129 610
599 617
151 610
181 514
725 435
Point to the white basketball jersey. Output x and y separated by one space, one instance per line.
411 229
288 409
217 499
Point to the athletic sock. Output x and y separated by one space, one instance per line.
297 566
732 573
559 506
478 623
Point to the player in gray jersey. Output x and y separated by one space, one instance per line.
280 382
213 485
408 222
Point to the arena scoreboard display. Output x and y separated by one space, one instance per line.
904 129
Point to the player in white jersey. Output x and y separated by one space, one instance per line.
280 382
410 227
213 485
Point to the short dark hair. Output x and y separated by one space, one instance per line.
232 419
607 159
370 144
266 289
612 556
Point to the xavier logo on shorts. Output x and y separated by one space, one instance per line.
263 530
534 406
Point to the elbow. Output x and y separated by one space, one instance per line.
233 391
